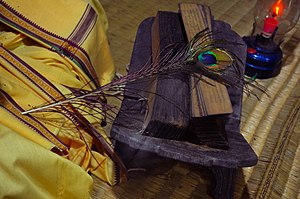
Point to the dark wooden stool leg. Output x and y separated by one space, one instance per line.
223 182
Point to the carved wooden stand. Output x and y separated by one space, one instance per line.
129 123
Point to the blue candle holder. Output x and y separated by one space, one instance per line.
264 57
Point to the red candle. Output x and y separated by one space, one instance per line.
269 25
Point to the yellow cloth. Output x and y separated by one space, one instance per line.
29 169
61 17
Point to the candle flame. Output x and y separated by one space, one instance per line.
277 8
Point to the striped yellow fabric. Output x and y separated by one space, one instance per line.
45 50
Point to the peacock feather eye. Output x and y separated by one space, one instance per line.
208 58
215 59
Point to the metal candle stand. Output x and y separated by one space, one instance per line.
263 57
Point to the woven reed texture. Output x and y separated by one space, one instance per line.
271 125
